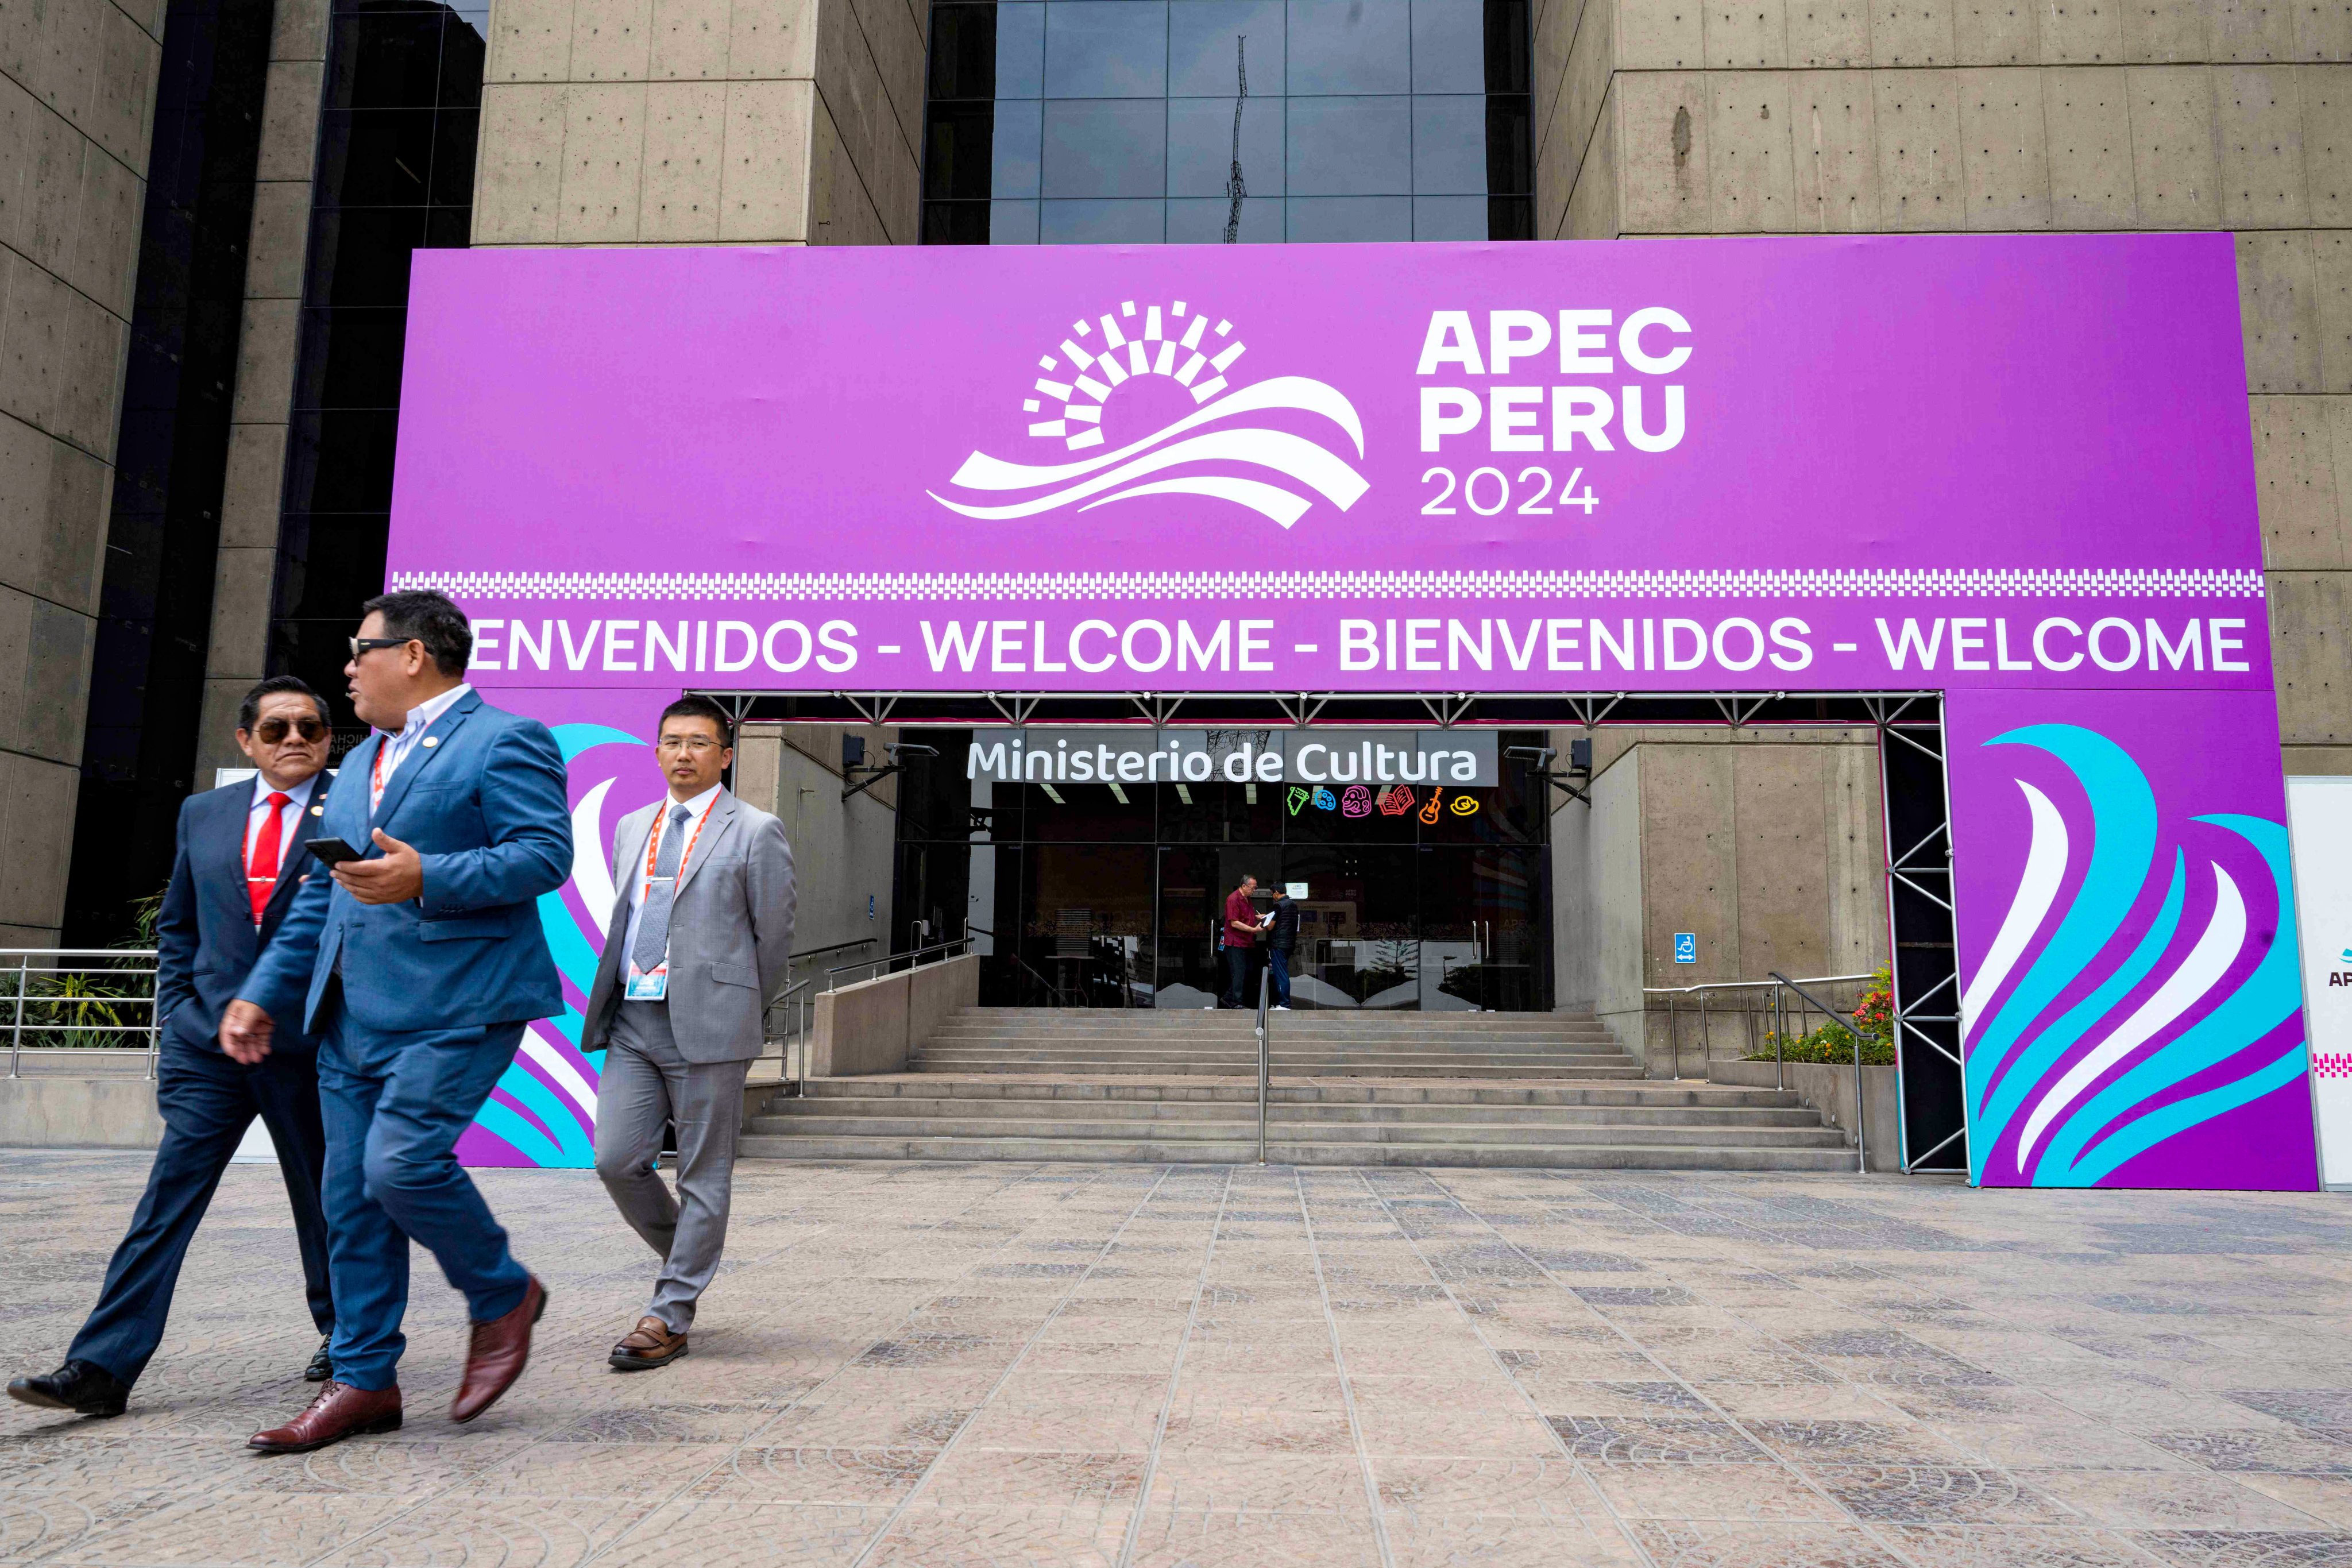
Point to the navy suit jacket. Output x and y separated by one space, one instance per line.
204 939
482 798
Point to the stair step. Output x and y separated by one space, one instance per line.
1163 1112
1423 1135
1637 1091
1607 1157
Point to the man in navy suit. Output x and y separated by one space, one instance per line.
240 861
418 963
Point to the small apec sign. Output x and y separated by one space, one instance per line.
2319 818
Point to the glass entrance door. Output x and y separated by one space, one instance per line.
1481 927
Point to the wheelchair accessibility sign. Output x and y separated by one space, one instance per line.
1685 947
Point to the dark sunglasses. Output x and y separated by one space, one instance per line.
270 732
369 645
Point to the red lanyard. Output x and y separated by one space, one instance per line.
375 772
653 843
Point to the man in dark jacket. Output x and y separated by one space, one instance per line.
240 859
1281 941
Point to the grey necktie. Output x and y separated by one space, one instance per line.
653 928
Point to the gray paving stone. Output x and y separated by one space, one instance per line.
939 1364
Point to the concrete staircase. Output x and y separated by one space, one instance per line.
1549 1047
1517 1090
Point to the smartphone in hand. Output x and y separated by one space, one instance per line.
330 851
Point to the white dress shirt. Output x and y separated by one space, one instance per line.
700 807
398 743
258 813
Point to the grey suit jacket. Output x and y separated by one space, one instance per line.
730 932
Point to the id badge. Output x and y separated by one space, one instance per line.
644 987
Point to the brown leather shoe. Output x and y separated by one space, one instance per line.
496 1354
649 1345
341 1411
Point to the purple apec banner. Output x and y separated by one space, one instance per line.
2013 470
2132 992
1830 464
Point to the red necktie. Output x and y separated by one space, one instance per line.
261 876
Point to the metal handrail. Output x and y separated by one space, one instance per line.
1264 1052
833 947
1057 993
25 971
1779 1021
1861 1091
916 955
799 1036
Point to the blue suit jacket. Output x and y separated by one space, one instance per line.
482 799
205 939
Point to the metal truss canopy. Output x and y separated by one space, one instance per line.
1341 710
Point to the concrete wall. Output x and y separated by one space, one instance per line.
79 1099
76 100
1830 1090
1766 845
1597 920
245 572
701 122
873 1025
1663 117
843 852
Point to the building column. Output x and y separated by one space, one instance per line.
701 122
247 571
77 101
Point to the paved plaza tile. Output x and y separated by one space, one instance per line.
935 1366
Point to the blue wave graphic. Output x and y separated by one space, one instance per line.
2068 1101
555 1134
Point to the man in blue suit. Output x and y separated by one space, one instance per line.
418 963
239 863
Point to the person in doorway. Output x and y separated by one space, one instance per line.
1281 941
240 864
696 949
418 960
1240 934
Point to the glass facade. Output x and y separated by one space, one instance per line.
1208 121
154 620
396 175
1104 895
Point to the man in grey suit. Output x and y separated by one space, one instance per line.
696 949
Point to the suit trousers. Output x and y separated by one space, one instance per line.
394 1104
647 1083
208 1101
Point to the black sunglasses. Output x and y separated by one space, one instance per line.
369 645
270 732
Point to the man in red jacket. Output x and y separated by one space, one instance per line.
1240 931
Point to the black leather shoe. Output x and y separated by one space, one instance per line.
78 1386
322 1365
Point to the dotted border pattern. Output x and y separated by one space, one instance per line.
2332 1064
2024 583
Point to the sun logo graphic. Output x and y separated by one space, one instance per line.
1219 449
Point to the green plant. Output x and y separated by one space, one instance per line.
145 914
1833 1044
1873 1020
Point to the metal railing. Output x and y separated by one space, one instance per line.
1861 1090
796 996
804 955
914 960
79 998
1265 1053
1781 988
